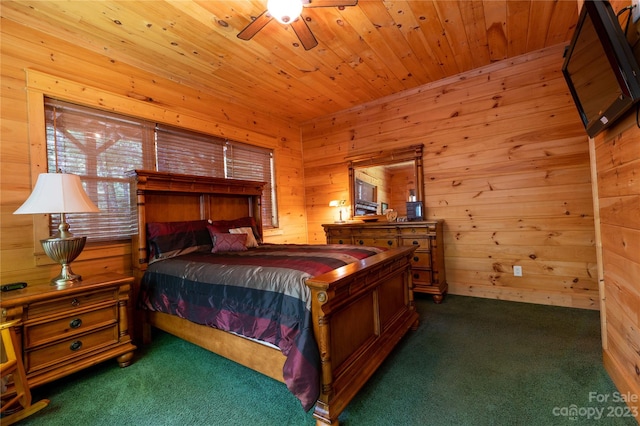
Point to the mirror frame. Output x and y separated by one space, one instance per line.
380 158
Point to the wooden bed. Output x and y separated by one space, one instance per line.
359 311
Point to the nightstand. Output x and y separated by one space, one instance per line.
63 330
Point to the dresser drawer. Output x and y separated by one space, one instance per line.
389 242
65 304
421 276
428 229
67 349
421 260
422 241
338 240
339 233
80 322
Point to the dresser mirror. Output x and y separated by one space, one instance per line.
384 181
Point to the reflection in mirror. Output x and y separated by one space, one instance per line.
385 180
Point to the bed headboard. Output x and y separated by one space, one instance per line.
172 197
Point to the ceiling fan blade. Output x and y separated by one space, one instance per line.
304 33
329 3
255 26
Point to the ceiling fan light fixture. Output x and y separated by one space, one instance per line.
285 11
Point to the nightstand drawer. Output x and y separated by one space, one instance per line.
45 332
65 304
68 349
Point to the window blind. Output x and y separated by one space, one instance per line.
100 147
254 163
180 151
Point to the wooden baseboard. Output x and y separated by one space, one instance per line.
581 301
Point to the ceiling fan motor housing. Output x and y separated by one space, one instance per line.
288 12
284 11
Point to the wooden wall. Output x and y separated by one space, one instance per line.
506 165
70 73
616 154
617 159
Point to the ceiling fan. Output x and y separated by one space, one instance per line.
288 12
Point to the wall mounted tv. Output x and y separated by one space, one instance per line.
600 68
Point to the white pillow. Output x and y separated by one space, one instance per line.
251 239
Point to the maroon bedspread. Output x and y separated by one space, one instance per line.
259 293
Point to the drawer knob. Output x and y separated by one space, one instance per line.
389 243
76 323
416 258
340 242
361 242
75 302
415 243
416 276
75 345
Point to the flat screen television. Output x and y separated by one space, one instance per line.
600 68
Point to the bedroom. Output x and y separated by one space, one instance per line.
510 173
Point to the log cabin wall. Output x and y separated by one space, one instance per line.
615 157
506 165
617 161
80 76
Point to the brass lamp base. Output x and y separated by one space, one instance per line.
64 251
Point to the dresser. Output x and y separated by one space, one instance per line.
63 330
427 266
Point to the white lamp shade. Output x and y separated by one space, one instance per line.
57 193
285 11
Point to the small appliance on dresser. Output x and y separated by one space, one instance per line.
427 264
62 330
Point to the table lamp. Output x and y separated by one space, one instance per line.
340 204
60 193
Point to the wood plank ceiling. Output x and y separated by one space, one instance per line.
365 52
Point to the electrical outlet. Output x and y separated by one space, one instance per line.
635 12
517 271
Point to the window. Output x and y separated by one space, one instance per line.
253 163
191 153
101 146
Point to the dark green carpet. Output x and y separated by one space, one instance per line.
472 362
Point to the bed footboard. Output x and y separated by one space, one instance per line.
360 312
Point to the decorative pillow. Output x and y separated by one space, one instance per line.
226 225
169 239
251 240
217 230
228 242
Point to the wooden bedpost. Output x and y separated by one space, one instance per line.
140 331
323 337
